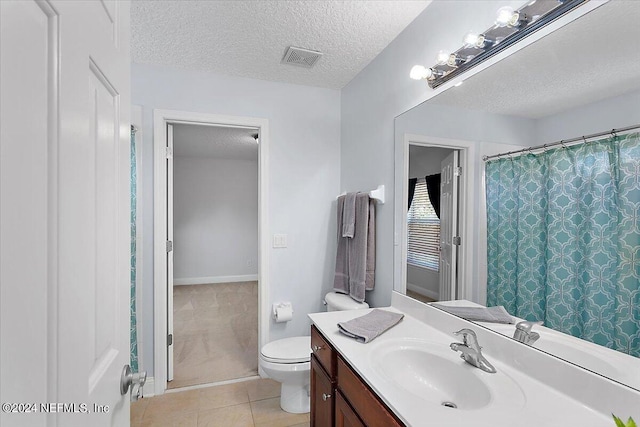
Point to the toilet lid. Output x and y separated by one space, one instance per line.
288 350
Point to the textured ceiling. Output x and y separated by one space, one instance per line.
214 142
249 38
593 58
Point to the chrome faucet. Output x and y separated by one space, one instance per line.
523 332
471 350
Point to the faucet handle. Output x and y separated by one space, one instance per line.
526 326
467 335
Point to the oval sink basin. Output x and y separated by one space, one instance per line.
431 374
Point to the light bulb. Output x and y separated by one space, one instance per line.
454 60
481 41
442 58
470 40
418 72
505 16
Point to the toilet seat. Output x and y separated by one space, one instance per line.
287 350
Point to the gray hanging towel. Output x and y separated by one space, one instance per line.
341 276
371 247
496 314
366 328
357 249
349 215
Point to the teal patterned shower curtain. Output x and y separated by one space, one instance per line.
563 239
133 327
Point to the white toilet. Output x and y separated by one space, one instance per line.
288 360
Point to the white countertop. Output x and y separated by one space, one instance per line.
541 405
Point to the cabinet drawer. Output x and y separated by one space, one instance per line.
366 404
323 352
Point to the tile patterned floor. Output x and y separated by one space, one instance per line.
215 330
254 403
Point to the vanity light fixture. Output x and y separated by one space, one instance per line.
510 27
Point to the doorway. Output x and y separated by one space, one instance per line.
190 246
215 254
432 221
453 159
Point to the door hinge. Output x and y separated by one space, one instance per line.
169 245
169 339
457 240
458 171
169 152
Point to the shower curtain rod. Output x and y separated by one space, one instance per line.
563 142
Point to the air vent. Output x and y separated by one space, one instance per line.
301 57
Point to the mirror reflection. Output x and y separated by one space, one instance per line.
549 234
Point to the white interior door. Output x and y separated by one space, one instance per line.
65 76
448 226
170 252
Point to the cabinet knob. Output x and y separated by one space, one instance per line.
326 396
316 348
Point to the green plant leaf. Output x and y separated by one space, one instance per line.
618 421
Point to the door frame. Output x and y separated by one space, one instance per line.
467 154
160 120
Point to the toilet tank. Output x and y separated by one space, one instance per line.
340 302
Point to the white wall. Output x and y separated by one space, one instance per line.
382 91
425 161
304 126
610 113
215 221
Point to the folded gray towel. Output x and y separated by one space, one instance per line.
479 314
366 328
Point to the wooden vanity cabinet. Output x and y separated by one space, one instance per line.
323 380
339 397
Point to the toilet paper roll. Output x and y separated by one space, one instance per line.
284 313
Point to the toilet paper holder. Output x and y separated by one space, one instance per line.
280 306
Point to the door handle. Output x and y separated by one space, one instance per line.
326 396
135 381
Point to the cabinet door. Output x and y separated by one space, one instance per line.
322 396
345 417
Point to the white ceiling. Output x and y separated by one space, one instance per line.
249 38
214 142
593 58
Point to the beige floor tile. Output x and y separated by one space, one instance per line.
236 416
267 413
263 388
137 410
184 419
302 424
217 340
222 396
171 404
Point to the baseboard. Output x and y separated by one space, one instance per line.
214 279
149 389
422 291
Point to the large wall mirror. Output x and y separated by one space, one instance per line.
581 79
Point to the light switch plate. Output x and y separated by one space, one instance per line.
279 240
